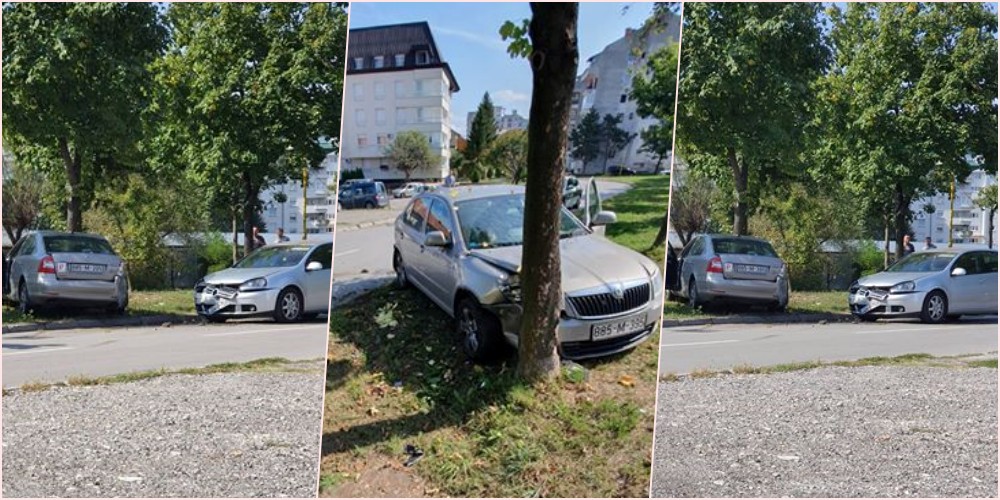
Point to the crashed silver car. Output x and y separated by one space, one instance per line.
288 281
462 248
934 286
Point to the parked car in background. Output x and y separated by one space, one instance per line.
934 286
409 190
724 268
363 194
47 268
572 192
617 170
462 248
288 281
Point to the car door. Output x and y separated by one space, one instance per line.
590 205
317 283
409 239
24 264
440 263
689 262
7 259
964 292
988 282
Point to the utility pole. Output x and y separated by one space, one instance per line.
951 215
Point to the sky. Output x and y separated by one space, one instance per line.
467 36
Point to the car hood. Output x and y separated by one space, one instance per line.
885 279
587 261
235 276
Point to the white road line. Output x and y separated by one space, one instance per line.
265 330
701 343
35 351
914 329
348 252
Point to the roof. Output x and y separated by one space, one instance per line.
389 40
474 191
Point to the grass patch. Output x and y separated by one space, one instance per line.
640 211
34 386
483 432
982 363
833 302
144 303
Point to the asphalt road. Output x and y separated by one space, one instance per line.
719 347
54 356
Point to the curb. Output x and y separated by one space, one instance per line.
754 320
364 225
72 324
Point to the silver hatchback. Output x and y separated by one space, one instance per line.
462 248
717 267
50 267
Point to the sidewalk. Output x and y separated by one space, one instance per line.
73 324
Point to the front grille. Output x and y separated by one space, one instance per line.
592 349
605 304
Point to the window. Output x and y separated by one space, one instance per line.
400 89
623 98
362 140
989 262
379 62
379 116
383 140
423 57
400 60
379 90
359 117
416 214
969 262
419 89
359 63
359 92
439 219
323 255
401 116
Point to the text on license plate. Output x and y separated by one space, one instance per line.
619 327
87 268
751 269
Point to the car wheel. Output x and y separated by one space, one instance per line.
781 305
935 308
480 331
694 301
369 205
953 317
309 316
121 304
24 305
288 308
402 281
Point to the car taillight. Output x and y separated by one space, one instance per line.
47 265
714 265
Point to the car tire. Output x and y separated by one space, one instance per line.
694 300
402 280
481 332
781 305
288 307
214 319
121 305
24 304
953 317
865 318
935 308
369 205
310 316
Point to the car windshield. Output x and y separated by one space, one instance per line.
498 221
76 244
736 246
278 256
927 262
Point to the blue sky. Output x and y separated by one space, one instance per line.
467 36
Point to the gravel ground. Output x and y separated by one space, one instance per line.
237 434
830 432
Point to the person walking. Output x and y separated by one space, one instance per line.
258 239
281 235
928 244
907 245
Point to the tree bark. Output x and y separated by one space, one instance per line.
740 181
901 204
71 161
249 198
661 235
990 228
885 253
553 65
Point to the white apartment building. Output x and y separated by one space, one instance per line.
396 81
605 84
504 121
970 222
319 203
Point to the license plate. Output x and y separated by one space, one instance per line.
618 327
87 268
751 269
218 292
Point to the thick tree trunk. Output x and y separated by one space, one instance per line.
740 181
249 198
553 64
901 204
989 226
71 161
661 235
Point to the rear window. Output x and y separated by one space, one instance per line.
734 246
76 244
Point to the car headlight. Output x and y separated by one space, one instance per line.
254 284
906 286
510 287
657 281
854 287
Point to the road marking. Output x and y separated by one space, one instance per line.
701 343
349 252
914 329
265 330
35 351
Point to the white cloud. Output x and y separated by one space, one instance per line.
493 42
510 98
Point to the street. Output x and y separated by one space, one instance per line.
53 356
719 347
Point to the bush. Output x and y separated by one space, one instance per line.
215 254
868 259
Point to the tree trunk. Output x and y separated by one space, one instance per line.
661 235
989 226
900 207
249 195
71 161
236 238
885 253
553 65
740 175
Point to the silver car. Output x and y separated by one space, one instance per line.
933 286
462 248
716 268
49 267
409 190
289 281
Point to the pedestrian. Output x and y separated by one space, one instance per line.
928 244
258 239
907 245
449 181
281 235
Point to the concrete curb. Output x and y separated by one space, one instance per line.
364 225
72 324
754 320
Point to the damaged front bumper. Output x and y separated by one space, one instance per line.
229 302
875 302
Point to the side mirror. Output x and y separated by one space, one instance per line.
959 271
314 266
603 218
436 239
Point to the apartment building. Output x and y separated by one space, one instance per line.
397 80
970 222
504 121
285 210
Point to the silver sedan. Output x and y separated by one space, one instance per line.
716 268
288 281
933 286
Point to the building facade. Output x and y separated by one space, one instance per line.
605 85
504 121
396 81
970 223
319 204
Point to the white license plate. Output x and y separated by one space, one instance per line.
87 268
618 327
751 269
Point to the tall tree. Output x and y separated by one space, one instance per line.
658 141
76 81
248 89
613 137
22 199
910 103
483 132
745 90
509 153
585 137
410 151
987 200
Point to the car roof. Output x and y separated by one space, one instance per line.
475 191
47 232
715 236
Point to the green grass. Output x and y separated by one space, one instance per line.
640 211
983 363
484 433
834 302
141 303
